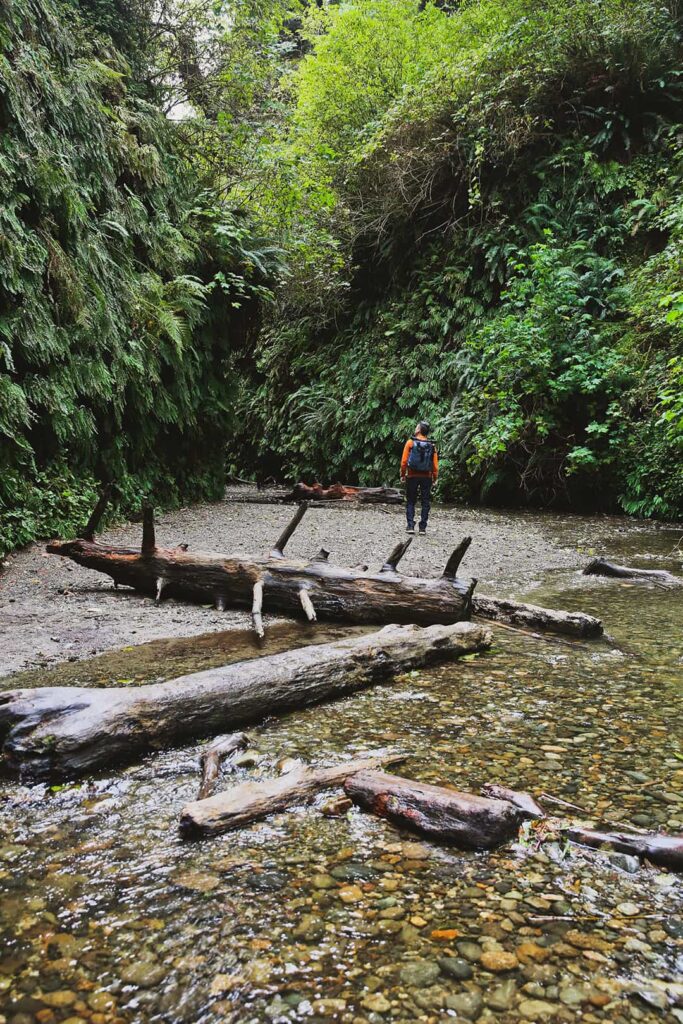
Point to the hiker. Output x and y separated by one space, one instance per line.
419 469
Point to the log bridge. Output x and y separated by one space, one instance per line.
310 589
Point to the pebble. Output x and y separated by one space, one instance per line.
501 997
498 960
143 974
628 909
324 1007
466 1004
376 1003
350 894
534 1009
469 950
456 967
59 999
419 973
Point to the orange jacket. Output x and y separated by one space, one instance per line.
406 471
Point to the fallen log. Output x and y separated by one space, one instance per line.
63 732
250 801
343 492
314 588
601 567
664 851
214 755
468 821
533 616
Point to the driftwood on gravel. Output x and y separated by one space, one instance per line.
344 492
62 732
250 801
600 567
313 588
465 820
214 755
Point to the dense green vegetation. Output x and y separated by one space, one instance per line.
471 211
483 209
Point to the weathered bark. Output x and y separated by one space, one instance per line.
600 567
277 584
465 820
342 492
62 732
213 757
525 801
253 800
665 851
532 616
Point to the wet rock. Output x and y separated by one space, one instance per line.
198 881
350 894
469 950
266 881
625 862
455 967
310 928
59 999
376 1003
419 973
353 872
466 1004
498 960
628 909
325 1007
501 996
573 995
144 974
537 1009
101 1002
322 881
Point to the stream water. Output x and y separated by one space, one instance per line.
107 915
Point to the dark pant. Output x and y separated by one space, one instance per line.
423 485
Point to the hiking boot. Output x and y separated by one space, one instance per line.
411 529
422 531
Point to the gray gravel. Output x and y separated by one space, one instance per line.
52 610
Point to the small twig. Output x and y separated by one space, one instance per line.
562 803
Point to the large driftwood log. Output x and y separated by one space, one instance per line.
600 567
465 820
532 616
277 584
62 732
253 800
344 492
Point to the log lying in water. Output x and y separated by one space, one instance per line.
600 567
214 755
468 821
525 801
665 851
62 732
315 589
532 616
250 801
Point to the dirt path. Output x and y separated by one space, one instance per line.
52 610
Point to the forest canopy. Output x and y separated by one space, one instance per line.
267 236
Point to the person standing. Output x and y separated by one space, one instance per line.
419 470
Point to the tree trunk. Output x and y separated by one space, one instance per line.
62 732
276 584
252 800
532 616
343 492
600 567
467 821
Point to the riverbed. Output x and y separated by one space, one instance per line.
108 915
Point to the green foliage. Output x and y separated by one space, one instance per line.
481 208
124 292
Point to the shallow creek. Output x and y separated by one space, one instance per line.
107 915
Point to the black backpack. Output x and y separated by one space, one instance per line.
421 457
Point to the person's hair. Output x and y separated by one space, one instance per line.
424 428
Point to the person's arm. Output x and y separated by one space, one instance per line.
405 457
435 466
